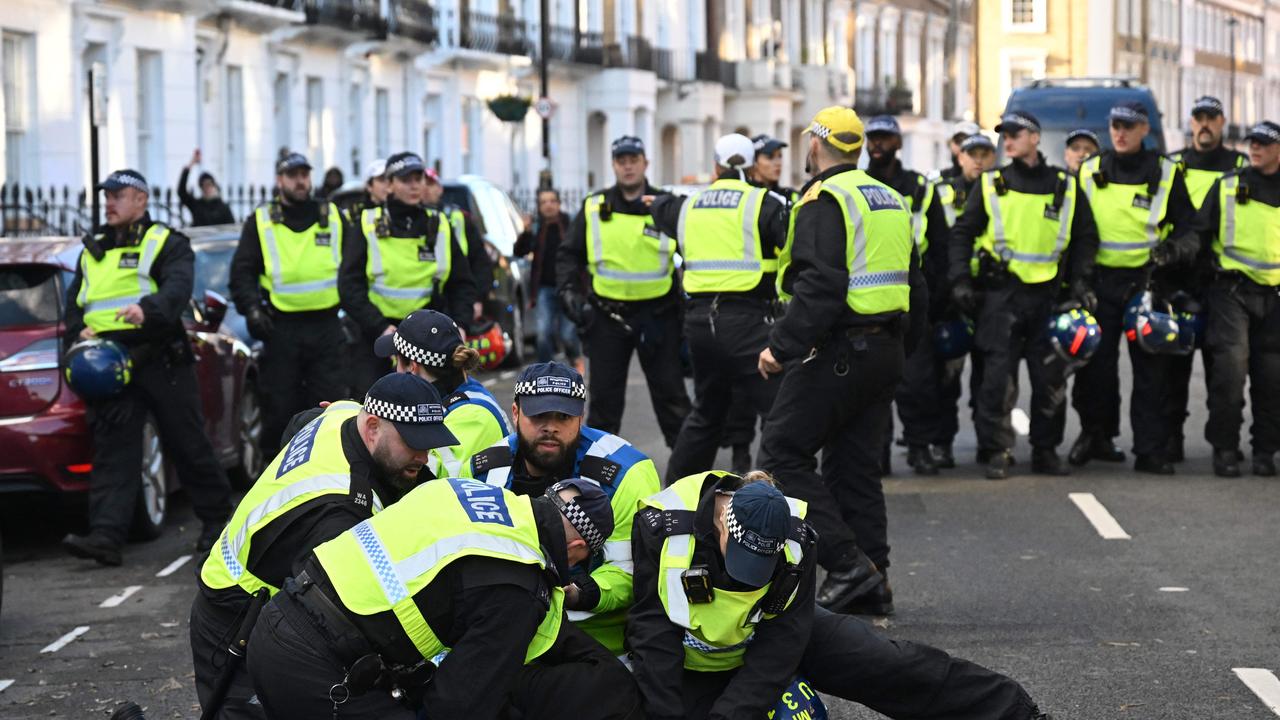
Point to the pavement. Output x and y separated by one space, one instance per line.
1159 602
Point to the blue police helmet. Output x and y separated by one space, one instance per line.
1074 335
98 369
1152 326
953 339
1191 321
799 701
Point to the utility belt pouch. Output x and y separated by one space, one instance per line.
697 585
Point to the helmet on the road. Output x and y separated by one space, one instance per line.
98 369
1074 335
953 339
799 700
1151 325
491 343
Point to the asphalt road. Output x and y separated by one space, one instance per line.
1012 575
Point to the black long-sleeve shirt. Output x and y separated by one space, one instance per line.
543 241
204 211
247 264
656 643
1042 179
174 272
1262 188
405 221
818 280
772 227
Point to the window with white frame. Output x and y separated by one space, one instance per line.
19 105
150 109
282 110
235 125
382 119
315 121
1024 16
1019 66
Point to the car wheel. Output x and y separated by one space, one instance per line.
153 500
515 333
246 472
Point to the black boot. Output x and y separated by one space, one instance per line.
1176 450
984 456
841 586
998 465
1153 465
741 459
1226 463
94 546
943 457
1106 450
921 460
209 535
1044 461
876 601
1081 450
1264 465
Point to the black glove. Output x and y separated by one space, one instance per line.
965 296
577 309
260 324
1083 294
1163 255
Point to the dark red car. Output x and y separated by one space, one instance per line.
45 445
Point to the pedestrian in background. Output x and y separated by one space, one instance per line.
333 180
540 241
209 208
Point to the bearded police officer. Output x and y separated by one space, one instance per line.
284 281
724 618
450 604
1024 223
1239 223
729 235
131 285
633 303
853 274
551 444
402 257
1144 218
1206 160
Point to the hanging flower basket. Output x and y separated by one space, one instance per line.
510 108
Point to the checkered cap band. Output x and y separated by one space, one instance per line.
578 518
412 352
422 414
1017 120
127 179
552 385
1127 114
1207 104
407 163
1264 130
750 539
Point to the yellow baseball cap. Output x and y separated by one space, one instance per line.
839 126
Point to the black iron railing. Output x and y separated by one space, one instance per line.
26 210
711 68
414 19
349 14
495 33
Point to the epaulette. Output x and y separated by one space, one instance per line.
813 192
454 399
490 458
666 523
600 469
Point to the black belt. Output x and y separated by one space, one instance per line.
863 330
324 624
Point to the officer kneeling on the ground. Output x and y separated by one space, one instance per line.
725 618
456 567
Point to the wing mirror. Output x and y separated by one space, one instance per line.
215 309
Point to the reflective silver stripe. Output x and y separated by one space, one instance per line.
708 265
597 245
750 247
677 603
444 253
1064 218
1229 249
150 248
670 500
371 241
999 244
231 546
488 401
1157 202
579 615
792 545
607 444
879 279
1086 177
445 456
424 560
114 304
498 477
1000 241
618 554
1127 246
393 588
857 263
267 228
681 234
401 293
376 269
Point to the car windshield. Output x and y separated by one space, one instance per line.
29 295
213 266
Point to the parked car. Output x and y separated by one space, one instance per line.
45 443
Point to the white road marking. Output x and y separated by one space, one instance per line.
4 684
173 566
507 374
65 640
1021 423
1263 683
1173 588
1102 520
120 597
490 382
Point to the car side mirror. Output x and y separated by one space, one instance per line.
215 309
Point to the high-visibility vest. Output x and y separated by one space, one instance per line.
382 563
1248 238
719 235
1199 181
458 225
474 417
300 269
1128 217
405 273
311 466
627 476
878 242
627 256
952 200
1029 231
920 213
121 278
716 634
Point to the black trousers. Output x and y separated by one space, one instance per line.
1243 338
365 367
725 340
576 678
166 391
1096 393
928 395
840 401
609 344
740 425
847 658
213 623
302 363
1011 328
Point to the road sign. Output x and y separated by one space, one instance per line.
545 108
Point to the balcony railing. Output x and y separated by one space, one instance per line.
349 14
494 33
711 68
414 19
638 54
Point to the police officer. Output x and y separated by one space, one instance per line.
430 345
1239 222
725 619
402 257
1206 160
765 169
1144 221
469 238
345 464
376 189
551 444
1024 224
962 131
131 285
284 281
456 567
1081 143
729 235
633 303
842 343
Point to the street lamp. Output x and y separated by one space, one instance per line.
1232 22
